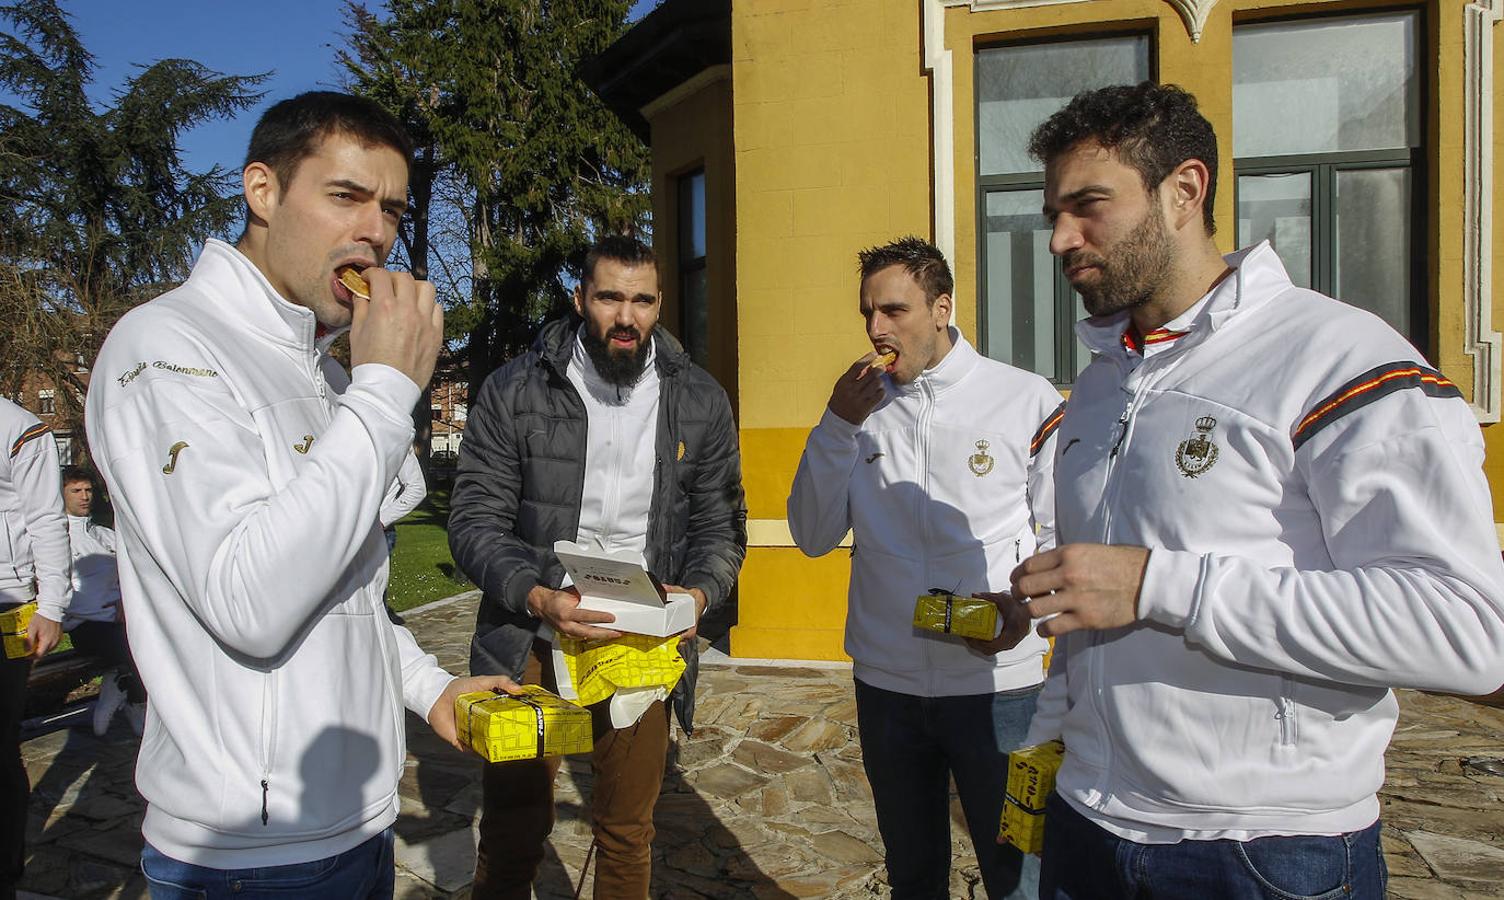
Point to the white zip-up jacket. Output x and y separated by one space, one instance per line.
247 475
96 576
34 561
942 486
1320 531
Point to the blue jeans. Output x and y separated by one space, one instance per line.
911 746
366 872
1083 861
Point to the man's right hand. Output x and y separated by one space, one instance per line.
561 609
401 326
858 391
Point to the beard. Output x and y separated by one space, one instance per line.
620 368
1139 266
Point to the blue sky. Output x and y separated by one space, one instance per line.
290 38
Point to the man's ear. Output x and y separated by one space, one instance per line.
261 190
1186 192
579 299
941 310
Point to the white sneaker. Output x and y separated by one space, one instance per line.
135 713
111 699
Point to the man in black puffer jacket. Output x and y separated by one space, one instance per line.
604 433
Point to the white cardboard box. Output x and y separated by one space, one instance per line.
618 584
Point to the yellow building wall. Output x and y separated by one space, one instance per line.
832 143
832 155
691 129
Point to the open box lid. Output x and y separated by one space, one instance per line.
607 575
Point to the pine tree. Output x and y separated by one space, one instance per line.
97 210
528 160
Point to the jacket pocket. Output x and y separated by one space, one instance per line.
1289 722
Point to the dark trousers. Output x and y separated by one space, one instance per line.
1083 861
517 809
15 789
911 748
366 872
106 640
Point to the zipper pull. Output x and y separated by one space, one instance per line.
264 814
1122 433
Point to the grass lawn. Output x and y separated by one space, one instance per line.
422 569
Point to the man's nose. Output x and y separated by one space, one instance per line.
1065 236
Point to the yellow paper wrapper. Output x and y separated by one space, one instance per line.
1031 778
13 625
961 616
531 725
597 669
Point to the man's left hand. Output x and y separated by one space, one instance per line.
441 716
1092 586
1016 622
700 603
44 634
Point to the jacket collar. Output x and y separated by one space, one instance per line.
242 293
952 370
1257 275
555 346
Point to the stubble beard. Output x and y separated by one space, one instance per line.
1139 266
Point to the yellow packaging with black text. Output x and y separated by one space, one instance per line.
13 625
1031 778
961 616
598 669
531 725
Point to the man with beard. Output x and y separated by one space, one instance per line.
1270 511
607 434
939 464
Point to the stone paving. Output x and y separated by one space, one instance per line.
767 800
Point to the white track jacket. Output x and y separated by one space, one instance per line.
34 561
1319 530
247 475
942 487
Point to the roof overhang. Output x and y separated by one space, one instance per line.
669 46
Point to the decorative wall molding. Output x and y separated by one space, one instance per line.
987 5
1193 13
1482 342
937 61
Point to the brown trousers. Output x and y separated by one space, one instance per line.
517 809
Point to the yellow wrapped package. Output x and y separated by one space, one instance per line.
598 669
530 725
13 625
1031 778
944 612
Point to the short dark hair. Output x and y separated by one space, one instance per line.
76 473
1151 127
291 130
919 258
622 248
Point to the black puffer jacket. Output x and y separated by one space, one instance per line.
521 477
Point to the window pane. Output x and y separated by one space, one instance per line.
1373 242
1020 87
1325 86
1020 312
694 288
692 216
1277 209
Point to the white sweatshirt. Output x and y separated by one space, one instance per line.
96 581
33 527
1319 530
942 486
247 474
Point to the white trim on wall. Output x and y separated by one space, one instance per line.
1482 342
